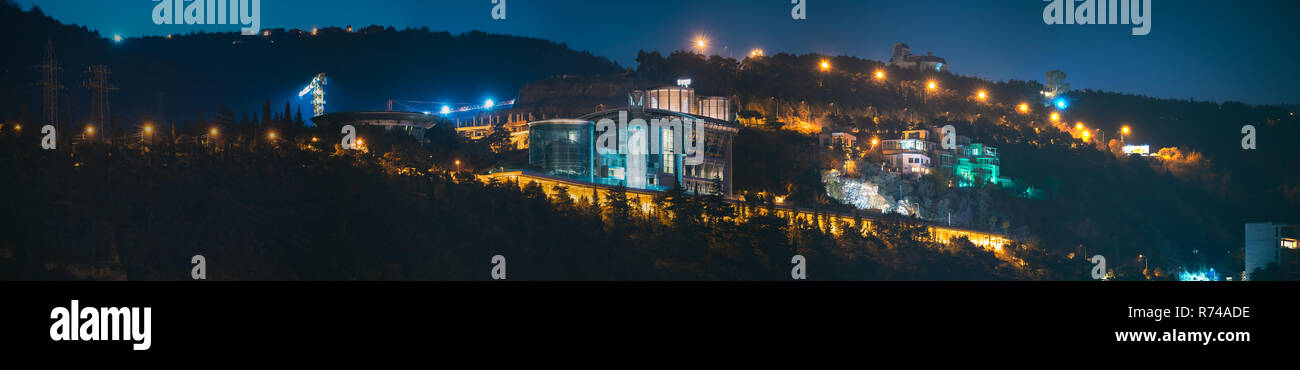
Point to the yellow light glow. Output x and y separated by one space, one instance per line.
701 42
982 95
1078 126
932 85
90 130
272 136
148 129
1086 135
874 141
1023 108
826 65
756 53
212 132
18 127
314 139
880 75
1125 130
1056 116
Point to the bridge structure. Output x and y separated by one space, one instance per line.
828 220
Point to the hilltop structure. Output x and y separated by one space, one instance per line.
903 58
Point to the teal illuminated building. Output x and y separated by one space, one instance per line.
971 164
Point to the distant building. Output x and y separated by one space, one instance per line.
918 152
1142 150
413 123
831 139
911 153
1266 243
903 58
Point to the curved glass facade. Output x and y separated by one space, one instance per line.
561 147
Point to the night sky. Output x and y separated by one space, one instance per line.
1207 50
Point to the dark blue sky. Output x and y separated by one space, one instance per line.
1208 50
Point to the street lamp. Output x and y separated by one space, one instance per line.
825 65
982 95
756 53
1023 108
457 165
702 44
271 135
212 132
880 75
1056 117
1123 131
90 130
932 85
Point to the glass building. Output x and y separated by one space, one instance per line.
568 147
562 147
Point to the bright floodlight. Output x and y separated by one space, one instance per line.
489 104
117 38
1062 104
445 110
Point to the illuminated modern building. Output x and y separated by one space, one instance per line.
1267 243
903 58
974 164
562 147
566 148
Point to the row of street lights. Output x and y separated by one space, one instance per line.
701 43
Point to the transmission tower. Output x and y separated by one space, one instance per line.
50 83
99 88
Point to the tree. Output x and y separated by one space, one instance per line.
716 209
1056 85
